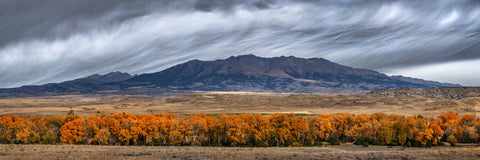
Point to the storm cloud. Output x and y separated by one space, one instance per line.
56 40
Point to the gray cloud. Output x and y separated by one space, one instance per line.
57 40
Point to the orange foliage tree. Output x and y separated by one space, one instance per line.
240 130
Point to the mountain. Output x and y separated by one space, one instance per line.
278 74
240 73
88 85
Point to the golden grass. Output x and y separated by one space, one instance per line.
226 153
224 102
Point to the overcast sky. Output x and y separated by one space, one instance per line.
44 41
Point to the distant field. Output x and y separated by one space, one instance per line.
238 102
345 151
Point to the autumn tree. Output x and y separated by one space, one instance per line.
73 132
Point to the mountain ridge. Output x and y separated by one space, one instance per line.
237 73
288 74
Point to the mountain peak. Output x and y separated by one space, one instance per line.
98 79
243 56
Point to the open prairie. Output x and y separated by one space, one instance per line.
344 151
237 102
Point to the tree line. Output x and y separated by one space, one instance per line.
240 130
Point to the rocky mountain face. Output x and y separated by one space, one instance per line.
434 93
278 74
240 73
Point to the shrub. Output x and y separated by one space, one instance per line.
333 140
452 140
365 144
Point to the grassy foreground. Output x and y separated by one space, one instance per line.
176 152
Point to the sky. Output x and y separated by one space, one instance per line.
57 40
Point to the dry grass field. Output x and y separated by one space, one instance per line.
224 102
345 151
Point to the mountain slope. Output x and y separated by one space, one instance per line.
240 73
278 74
87 85
424 82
